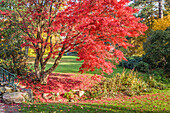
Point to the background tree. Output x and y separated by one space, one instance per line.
157 50
150 12
161 24
83 25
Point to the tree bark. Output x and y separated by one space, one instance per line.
26 51
36 67
44 78
160 9
45 75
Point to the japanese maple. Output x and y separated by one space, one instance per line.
93 28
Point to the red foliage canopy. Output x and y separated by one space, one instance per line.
93 28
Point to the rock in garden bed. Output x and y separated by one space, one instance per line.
14 97
9 95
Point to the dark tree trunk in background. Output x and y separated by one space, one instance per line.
26 51
160 9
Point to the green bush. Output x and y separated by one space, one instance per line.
69 95
142 66
130 64
160 75
135 63
17 66
154 84
127 83
157 48
12 58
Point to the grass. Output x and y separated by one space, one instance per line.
147 104
157 101
69 64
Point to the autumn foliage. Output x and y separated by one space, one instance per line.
84 26
161 24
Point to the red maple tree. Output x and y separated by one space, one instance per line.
93 28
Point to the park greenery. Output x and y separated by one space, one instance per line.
123 55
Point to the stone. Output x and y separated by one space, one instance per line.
10 85
14 97
81 93
29 93
47 96
9 89
18 90
59 100
37 87
58 94
1 79
2 89
26 96
4 83
20 86
71 100
75 91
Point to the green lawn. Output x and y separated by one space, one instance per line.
159 103
69 64
149 104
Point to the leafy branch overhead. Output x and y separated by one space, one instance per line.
84 26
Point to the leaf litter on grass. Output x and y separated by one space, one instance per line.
59 83
64 82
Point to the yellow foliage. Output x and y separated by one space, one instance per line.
155 24
161 24
137 42
55 37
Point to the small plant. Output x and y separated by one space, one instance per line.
154 84
69 95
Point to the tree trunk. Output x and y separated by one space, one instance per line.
26 51
36 67
45 75
160 9
44 78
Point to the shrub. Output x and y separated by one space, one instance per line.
142 66
135 63
13 60
157 49
154 84
12 57
160 75
127 83
130 64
